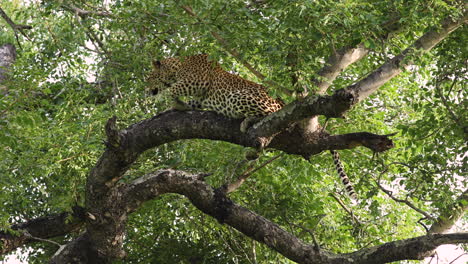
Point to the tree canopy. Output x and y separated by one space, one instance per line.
95 170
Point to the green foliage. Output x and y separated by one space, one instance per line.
76 73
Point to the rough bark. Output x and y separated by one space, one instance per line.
215 203
7 57
78 251
42 228
414 248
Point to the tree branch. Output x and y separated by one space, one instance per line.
109 204
77 252
84 13
342 100
41 228
414 248
15 27
355 219
104 200
125 145
396 65
336 63
241 179
346 56
408 203
215 203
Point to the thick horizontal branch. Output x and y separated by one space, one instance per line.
216 204
414 248
42 227
295 142
125 146
329 106
342 100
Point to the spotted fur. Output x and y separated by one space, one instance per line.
215 89
211 87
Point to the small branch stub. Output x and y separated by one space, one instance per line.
113 136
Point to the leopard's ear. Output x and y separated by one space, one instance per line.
156 64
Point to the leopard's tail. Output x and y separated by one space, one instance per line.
344 178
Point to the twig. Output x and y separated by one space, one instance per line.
236 54
83 13
95 39
27 234
408 203
15 27
236 167
97 43
453 261
423 225
254 252
69 158
226 243
444 101
311 232
355 219
233 186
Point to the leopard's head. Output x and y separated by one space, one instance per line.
163 75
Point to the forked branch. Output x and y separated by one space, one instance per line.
16 27
251 170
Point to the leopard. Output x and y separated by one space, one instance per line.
213 88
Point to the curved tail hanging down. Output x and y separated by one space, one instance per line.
344 178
